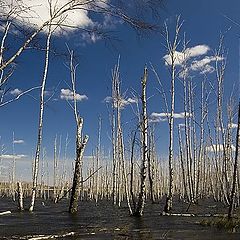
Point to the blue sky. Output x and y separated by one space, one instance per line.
203 22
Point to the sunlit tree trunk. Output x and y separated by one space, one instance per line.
144 133
151 162
171 48
20 196
133 142
181 161
40 124
80 144
80 147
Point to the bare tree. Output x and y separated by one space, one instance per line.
80 143
235 168
40 124
144 133
171 51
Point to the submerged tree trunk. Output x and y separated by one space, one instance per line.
151 157
235 168
80 147
20 196
80 144
172 48
132 170
144 131
40 125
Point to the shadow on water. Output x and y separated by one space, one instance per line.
104 221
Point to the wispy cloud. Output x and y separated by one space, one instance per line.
16 92
11 156
122 102
48 93
90 37
107 99
203 65
128 101
161 117
18 141
67 94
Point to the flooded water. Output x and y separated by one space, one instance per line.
104 221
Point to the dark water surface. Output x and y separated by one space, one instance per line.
104 221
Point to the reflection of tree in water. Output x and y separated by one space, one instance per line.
140 230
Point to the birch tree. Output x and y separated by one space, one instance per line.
40 123
172 56
144 133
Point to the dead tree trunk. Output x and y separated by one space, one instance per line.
80 147
235 168
55 170
151 165
20 196
132 169
172 48
80 144
144 130
98 157
40 124
115 77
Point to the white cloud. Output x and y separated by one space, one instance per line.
16 92
10 156
67 94
197 50
37 12
34 12
107 99
128 101
47 93
218 148
161 117
19 141
123 102
180 57
203 65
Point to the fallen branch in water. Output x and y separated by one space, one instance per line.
5 213
193 215
41 237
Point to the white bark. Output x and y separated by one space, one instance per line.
144 132
40 124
